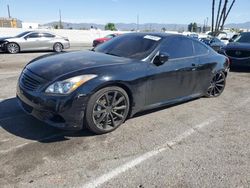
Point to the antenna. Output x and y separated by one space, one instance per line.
8 7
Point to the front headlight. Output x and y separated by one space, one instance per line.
69 85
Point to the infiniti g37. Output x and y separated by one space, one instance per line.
101 88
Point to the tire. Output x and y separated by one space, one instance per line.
107 109
217 85
58 47
13 48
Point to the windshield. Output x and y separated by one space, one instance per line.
22 34
109 36
130 46
244 38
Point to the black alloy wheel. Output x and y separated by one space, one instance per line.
107 110
217 85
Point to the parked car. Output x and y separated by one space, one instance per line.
134 72
238 51
213 42
98 41
34 41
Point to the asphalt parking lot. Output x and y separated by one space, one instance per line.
200 143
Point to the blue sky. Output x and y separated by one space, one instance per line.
103 11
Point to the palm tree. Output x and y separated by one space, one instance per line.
222 15
217 19
213 3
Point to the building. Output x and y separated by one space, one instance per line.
29 25
10 22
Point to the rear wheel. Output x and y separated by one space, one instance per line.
13 48
57 47
217 85
107 109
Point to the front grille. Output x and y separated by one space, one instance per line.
29 81
238 53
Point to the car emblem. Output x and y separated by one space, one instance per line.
238 53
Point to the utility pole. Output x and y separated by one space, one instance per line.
8 7
60 19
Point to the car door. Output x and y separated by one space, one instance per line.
47 41
176 78
31 42
204 68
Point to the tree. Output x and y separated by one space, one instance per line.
110 26
193 27
163 29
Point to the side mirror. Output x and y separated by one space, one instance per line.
161 58
230 40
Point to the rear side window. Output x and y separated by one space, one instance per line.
177 47
48 35
33 35
199 49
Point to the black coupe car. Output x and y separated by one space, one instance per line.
101 88
238 51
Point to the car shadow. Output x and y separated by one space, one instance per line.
16 122
145 112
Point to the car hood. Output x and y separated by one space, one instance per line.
51 67
237 46
5 38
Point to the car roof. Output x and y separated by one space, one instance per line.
162 35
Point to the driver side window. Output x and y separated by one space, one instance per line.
177 47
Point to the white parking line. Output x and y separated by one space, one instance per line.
140 159
14 72
130 164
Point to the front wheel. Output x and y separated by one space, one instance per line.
107 109
217 85
13 48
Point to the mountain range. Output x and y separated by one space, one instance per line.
145 27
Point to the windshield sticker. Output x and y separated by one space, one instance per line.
151 37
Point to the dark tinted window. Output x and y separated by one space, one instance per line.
177 47
199 48
130 46
244 37
33 35
48 35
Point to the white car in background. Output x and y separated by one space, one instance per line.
34 41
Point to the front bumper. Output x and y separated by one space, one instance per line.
66 45
235 62
3 46
65 112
